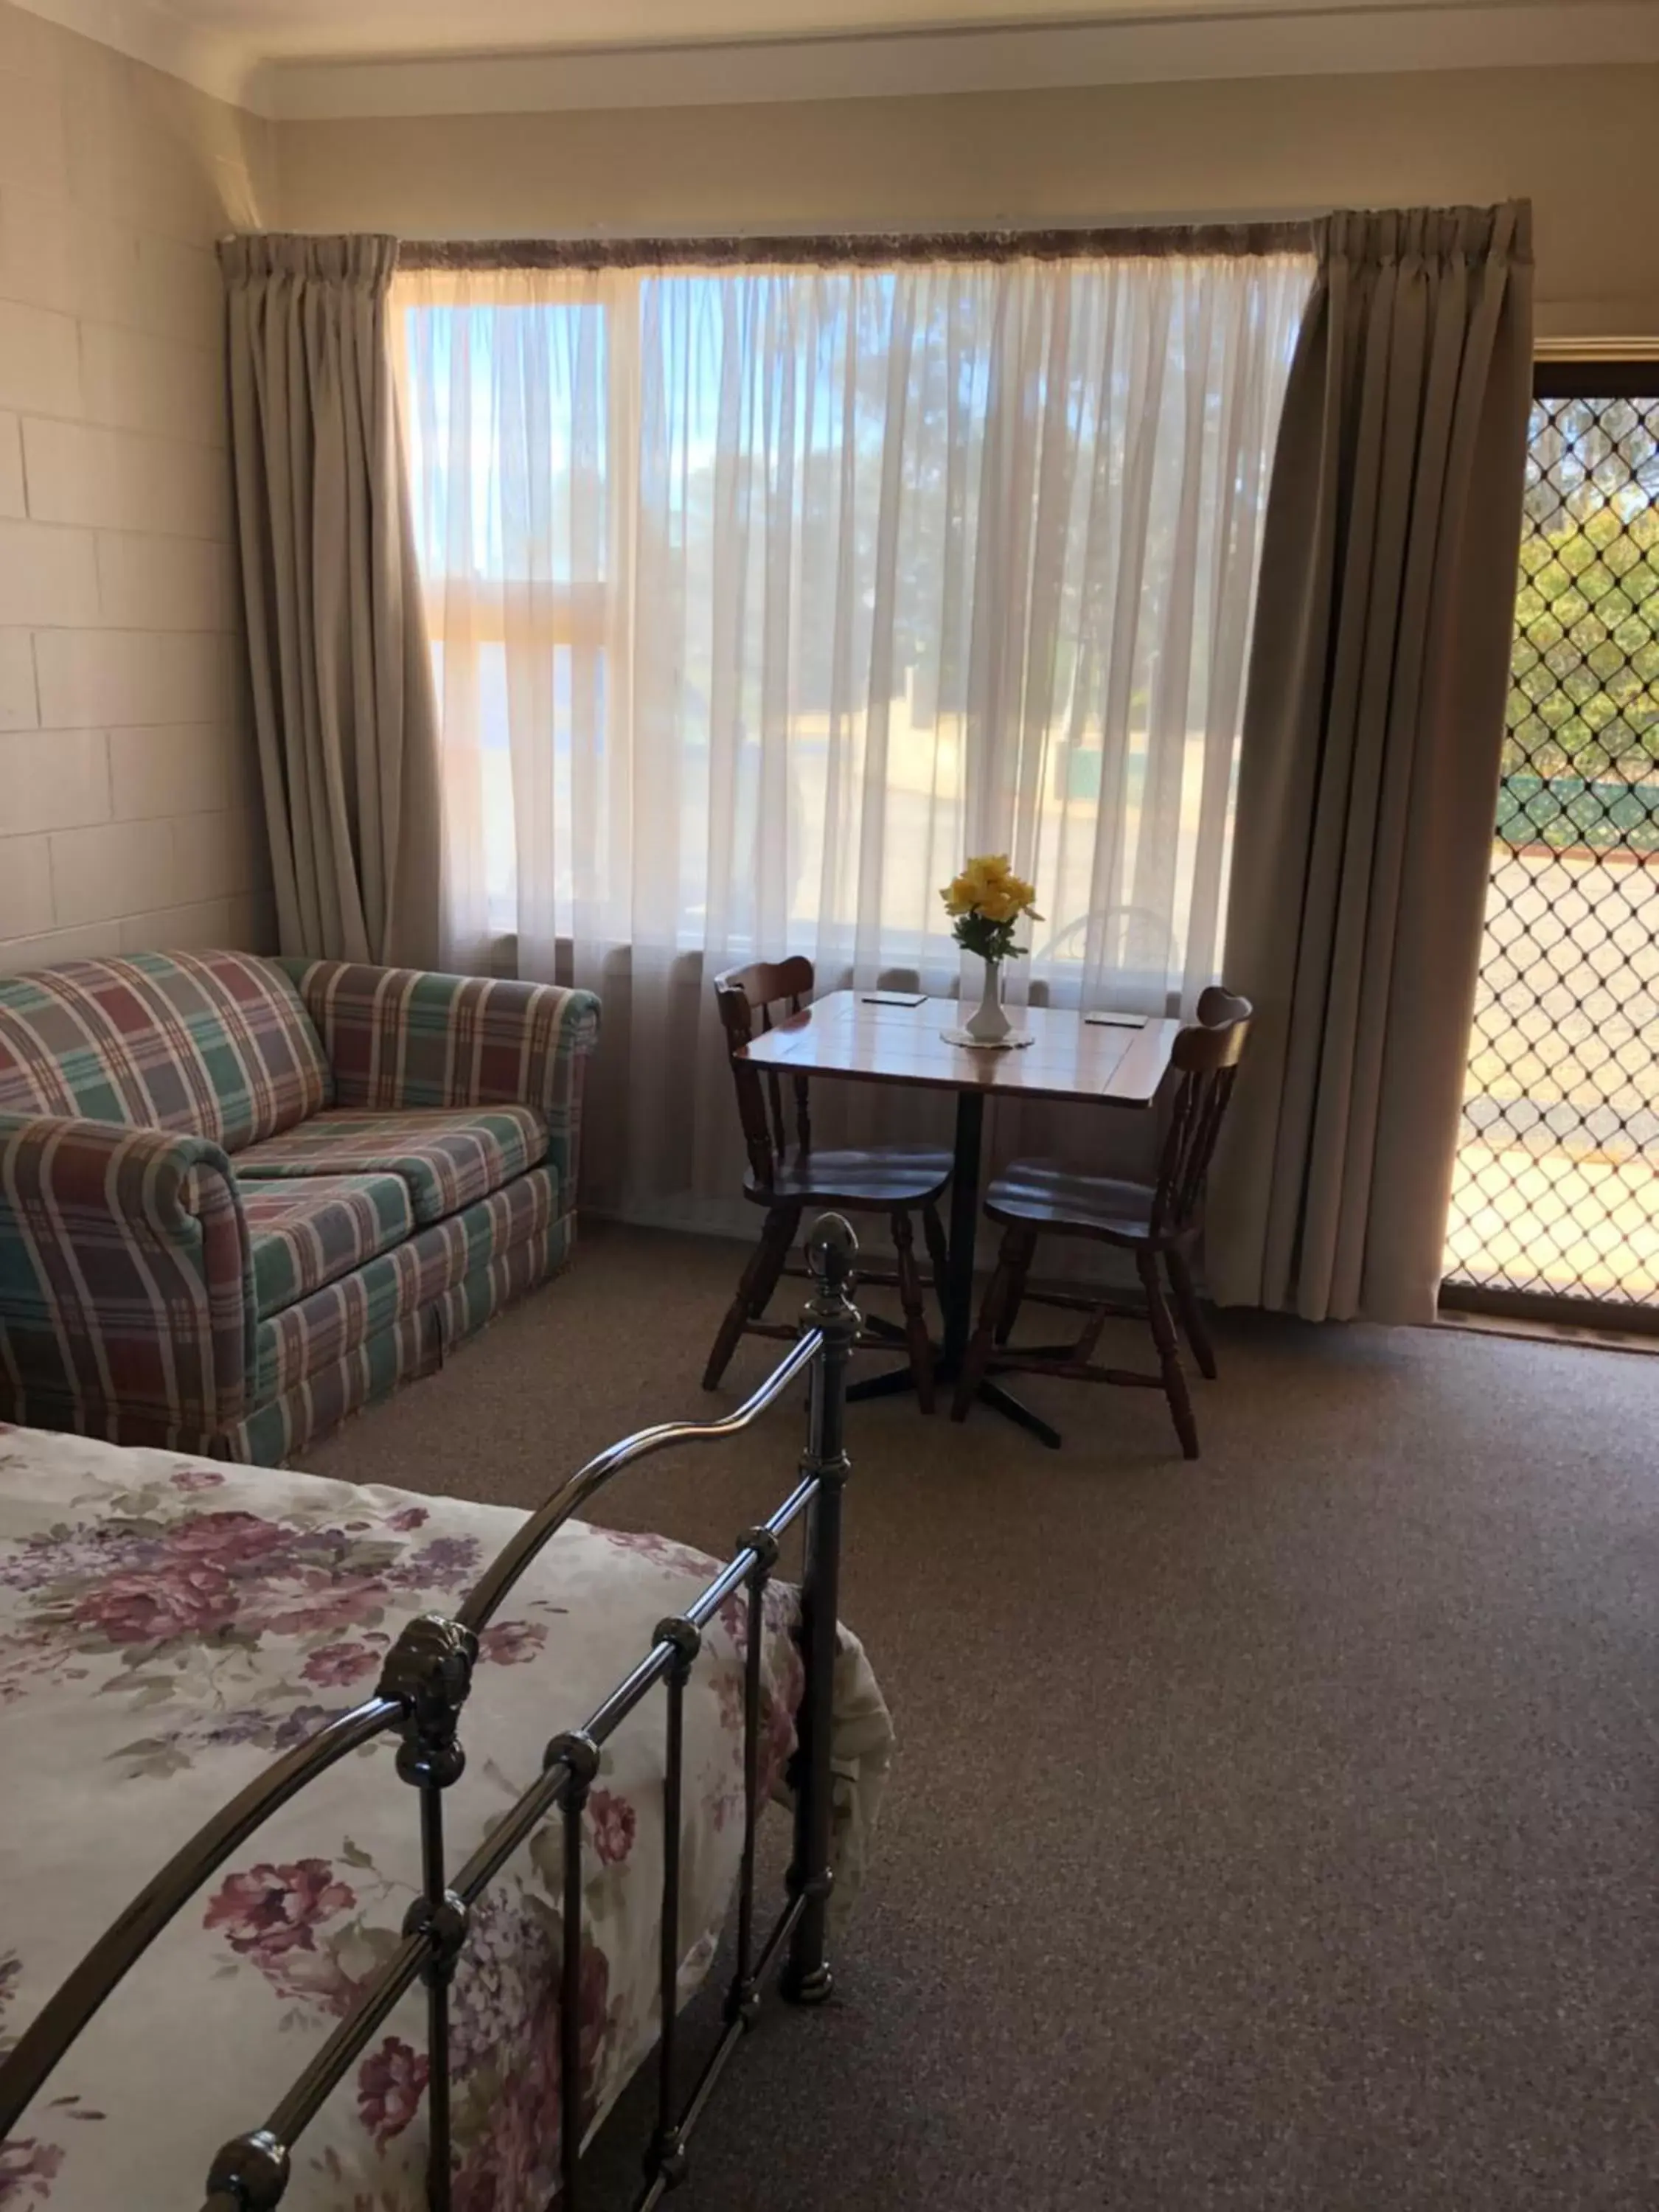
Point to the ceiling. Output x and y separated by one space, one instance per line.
361 56
290 28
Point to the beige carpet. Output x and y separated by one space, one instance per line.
1278 1832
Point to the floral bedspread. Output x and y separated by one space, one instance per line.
166 1628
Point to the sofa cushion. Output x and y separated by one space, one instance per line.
448 1160
338 1321
214 1043
306 1231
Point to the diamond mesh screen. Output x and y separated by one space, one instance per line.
1557 1189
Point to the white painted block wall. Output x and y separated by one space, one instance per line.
128 802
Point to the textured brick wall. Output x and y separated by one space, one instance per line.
127 780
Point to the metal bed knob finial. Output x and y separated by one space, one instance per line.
428 1672
832 1250
250 2174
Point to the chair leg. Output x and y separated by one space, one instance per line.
1192 1318
1013 1260
1016 1291
1088 1341
938 1253
782 1227
1169 1352
915 1314
755 1288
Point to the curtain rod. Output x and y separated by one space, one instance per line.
859 249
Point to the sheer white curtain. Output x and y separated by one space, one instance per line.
759 595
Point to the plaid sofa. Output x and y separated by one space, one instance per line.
241 1198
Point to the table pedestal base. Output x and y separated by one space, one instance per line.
956 1293
897 1380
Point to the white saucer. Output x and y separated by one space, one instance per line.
1012 1043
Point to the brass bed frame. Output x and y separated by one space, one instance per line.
420 1695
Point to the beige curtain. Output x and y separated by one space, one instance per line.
1373 722
342 680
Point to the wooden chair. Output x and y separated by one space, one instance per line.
787 1178
1156 1222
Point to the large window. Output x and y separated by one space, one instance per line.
836 571
760 594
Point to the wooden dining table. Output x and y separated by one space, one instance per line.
1117 1061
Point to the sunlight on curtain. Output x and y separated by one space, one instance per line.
760 596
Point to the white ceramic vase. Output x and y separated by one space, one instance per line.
989 1024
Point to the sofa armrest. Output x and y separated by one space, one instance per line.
399 1038
126 1297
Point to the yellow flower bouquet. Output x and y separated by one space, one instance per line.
986 901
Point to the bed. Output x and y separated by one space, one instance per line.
175 1632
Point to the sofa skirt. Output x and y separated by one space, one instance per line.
375 1361
396 1317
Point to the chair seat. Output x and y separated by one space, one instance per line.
1045 1195
886 1177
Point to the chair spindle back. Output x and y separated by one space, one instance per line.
749 1000
1206 1058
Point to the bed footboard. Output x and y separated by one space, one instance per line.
421 1696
